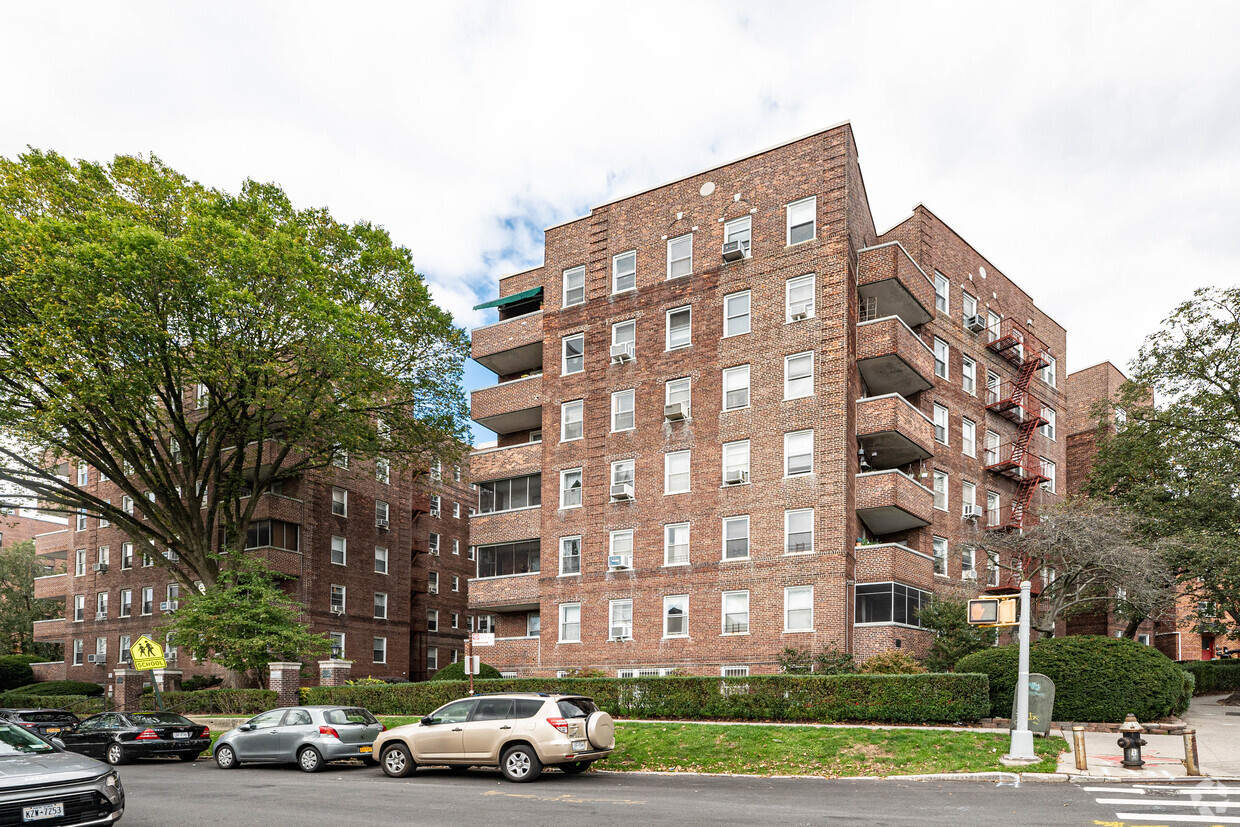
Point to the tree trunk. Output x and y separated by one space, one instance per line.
1130 631
247 679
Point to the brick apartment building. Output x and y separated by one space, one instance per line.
18 527
732 417
364 546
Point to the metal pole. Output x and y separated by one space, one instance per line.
1078 748
1022 738
159 699
1190 753
469 661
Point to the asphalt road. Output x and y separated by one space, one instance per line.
170 792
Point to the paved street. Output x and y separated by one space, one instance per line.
162 793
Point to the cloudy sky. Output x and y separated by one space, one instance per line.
1090 150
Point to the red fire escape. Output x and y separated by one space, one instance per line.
1013 402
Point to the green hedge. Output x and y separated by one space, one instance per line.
1096 678
49 688
925 698
216 701
1213 675
79 705
15 671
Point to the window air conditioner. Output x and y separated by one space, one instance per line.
974 323
968 575
972 511
101 615
101 567
619 561
168 606
620 633
621 353
674 411
801 311
622 491
337 610
733 251
736 477
96 658
381 522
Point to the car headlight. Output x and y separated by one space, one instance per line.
111 780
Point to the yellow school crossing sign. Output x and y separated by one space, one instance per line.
147 654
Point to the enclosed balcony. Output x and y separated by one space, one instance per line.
507 577
50 631
510 346
509 407
889 283
892 358
497 463
501 525
50 586
892 501
892 432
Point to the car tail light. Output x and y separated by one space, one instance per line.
29 726
147 735
329 730
559 723
205 732
383 727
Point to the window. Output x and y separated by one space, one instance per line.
736 537
676 615
456 547
456 473
679 392
506 559
79 562
799 609
993 506
679 324
77 653
1047 373
432 659
104 522
432 620
968 496
736 314
622 416
624 272
570 488
571 420
680 256
940 424
381 560
969 304
126 603
432 582
533 624
574 286
339 551
621 620
676 472
380 605
383 470
127 504
890 603
148 599
486 624
968 375
799 298
337 599
1048 428
81 519
1048 471
968 563
799 531
622 472
941 287
736 462
799 375
992 448
79 608
940 490
620 544
570 623
993 387
801 215
968 437
1121 419
340 457
624 337
510 494
382 511
736 388
83 473
104 555
101 647
940 358
739 230
340 502
736 613
992 568
574 354
122 651
676 544
380 650
570 555
798 453
456 620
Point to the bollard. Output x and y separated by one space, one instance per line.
1078 747
1190 752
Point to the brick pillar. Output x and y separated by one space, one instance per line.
127 693
334 672
168 680
285 679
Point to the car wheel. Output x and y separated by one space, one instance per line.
520 764
396 761
115 754
309 760
188 756
225 758
575 767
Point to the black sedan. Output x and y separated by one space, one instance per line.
46 722
118 737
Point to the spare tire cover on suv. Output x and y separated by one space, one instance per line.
601 730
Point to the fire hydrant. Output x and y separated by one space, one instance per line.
1132 742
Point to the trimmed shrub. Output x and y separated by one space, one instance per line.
216 701
15 671
1186 694
924 698
49 688
892 663
1096 678
199 682
1213 675
456 672
79 705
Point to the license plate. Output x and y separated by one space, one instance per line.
365 749
42 811
52 729
580 746
181 734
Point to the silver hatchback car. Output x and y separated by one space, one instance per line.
308 736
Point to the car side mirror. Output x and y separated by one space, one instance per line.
58 744
247 727
428 721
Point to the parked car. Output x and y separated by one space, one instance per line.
46 722
518 732
309 736
40 783
120 737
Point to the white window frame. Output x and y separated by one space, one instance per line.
731 318
564 357
994 507
723 620
572 273
1048 470
796 207
381 605
789 593
968 437
1048 429
968 303
790 439
629 325
788 516
942 292
567 544
615 607
802 377
668 327
340 550
1047 373
736 457
735 519
668 545
572 413
942 422
796 283
381 554
668 459
618 400
378 651
564 480
941 481
340 502
968 494
566 611
943 349
673 601
940 548
673 261
740 226
617 476
968 562
728 374
968 375
617 274
340 591
679 389
621 539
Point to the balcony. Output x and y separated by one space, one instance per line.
514 593
892 358
510 346
50 586
509 406
502 526
49 631
893 432
878 562
889 283
892 501
499 463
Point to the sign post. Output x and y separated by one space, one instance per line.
148 655
472 667
1021 750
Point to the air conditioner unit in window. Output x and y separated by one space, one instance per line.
101 615
337 610
974 323
622 491
733 250
621 633
96 658
735 477
968 575
800 311
381 522
972 512
169 605
621 353
100 567
619 561
674 411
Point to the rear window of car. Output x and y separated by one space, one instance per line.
350 716
577 707
528 707
160 719
45 717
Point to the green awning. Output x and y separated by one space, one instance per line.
513 299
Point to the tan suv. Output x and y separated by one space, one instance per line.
519 732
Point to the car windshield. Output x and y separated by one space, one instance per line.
45 717
159 718
577 707
349 716
16 741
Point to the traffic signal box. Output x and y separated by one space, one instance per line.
993 612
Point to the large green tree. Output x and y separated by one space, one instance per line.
18 609
194 345
1175 456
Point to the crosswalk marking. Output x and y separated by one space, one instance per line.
1163 803
1214 805
1177 817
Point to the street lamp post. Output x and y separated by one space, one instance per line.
1021 750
